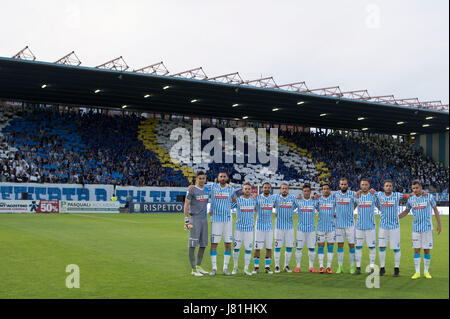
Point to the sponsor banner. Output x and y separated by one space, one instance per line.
149 194
18 206
99 193
48 207
69 192
103 193
88 207
156 208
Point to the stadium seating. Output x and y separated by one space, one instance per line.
84 148
292 166
44 146
358 156
6 150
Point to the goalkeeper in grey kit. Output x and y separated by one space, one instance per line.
195 206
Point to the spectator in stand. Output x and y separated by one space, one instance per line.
356 157
94 148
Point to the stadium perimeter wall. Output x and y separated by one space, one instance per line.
77 193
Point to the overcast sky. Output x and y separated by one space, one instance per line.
398 47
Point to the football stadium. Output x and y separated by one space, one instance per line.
96 164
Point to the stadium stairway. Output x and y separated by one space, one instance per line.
6 150
321 167
295 166
148 136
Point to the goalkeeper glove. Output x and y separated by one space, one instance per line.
187 224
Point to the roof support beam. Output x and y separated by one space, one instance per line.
357 95
295 87
328 91
387 99
196 73
268 82
69 59
157 68
231 78
25 54
117 64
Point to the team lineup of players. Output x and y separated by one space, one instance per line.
335 223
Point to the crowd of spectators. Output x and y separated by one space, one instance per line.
94 148
361 156
84 148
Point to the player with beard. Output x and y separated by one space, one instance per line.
422 207
325 205
365 224
345 224
264 228
306 229
285 204
245 224
221 221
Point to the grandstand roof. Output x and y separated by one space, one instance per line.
192 93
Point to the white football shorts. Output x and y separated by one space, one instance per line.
342 233
389 235
306 237
263 239
285 236
243 237
329 237
369 236
224 229
422 240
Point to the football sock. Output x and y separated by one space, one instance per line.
340 255
312 256
287 256
298 256
256 262
192 257
201 251
268 262
397 255
226 259
213 254
372 256
352 256
426 262
320 255
236 257
330 253
248 258
358 255
382 256
277 256
417 262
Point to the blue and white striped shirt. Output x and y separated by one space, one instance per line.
421 208
285 210
306 215
366 211
220 203
345 205
389 209
326 208
245 213
264 208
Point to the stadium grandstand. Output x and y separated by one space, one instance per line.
64 123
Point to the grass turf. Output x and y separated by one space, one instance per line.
145 256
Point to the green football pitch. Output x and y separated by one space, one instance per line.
145 256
